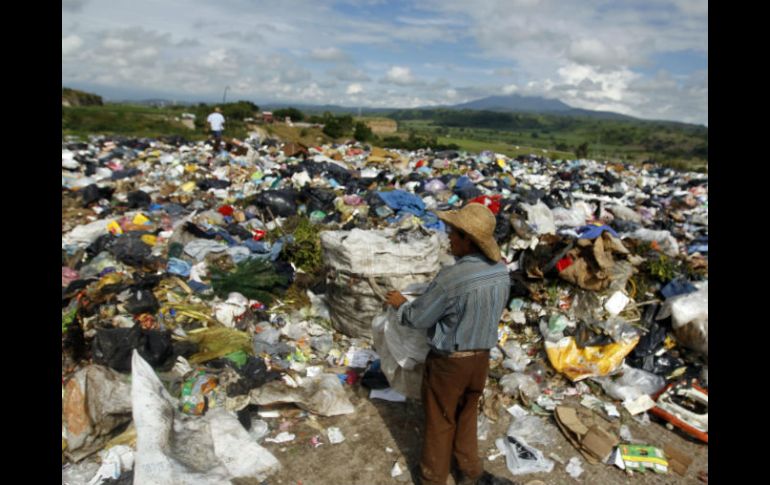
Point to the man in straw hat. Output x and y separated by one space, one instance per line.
461 310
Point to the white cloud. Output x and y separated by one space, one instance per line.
354 88
70 44
400 75
595 52
328 54
510 89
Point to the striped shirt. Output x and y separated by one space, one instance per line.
462 306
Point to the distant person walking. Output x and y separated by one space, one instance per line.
217 123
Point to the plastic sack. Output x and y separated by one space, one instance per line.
517 382
540 218
402 352
590 361
520 458
82 236
630 384
174 448
96 401
365 264
665 240
323 395
572 217
690 319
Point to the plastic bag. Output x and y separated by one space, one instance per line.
113 347
365 264
630 384
96 401
690 319
590 361
282 203
517 382
323 395
174 448
540 218
402 353
520 458
517 359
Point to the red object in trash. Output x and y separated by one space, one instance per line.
258 306
564 263
258 234
421 163
352 377
226 210
493 202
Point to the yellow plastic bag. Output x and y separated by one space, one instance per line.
188 187
218 342
114 228
577 364
149 239
140 219
190 168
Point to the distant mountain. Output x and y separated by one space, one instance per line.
534 104
515 102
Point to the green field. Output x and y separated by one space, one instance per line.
677 145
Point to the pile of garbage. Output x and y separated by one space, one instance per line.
205 288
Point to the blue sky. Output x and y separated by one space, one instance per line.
642 58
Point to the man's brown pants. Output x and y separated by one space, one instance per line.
451 389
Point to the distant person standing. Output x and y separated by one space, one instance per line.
217 123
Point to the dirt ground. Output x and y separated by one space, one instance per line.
380 433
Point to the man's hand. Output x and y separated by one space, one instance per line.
395 299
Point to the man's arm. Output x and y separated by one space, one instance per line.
426 310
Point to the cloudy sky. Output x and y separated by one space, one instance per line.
644 58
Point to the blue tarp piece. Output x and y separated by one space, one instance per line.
592 232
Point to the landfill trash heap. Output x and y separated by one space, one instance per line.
202 286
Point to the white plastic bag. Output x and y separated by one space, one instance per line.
402 352
175 448
520 458
365 264
630 384
540 218
516 381
323 395
690 319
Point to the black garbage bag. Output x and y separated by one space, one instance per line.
123 174
374 378
142 301
585 336
468 192
139 200
130 250
318 199
282 203
253 374
93 193
650 342
102 243
196 231
502 227
213 184
113 347
239 231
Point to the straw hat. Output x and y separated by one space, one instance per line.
478 222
